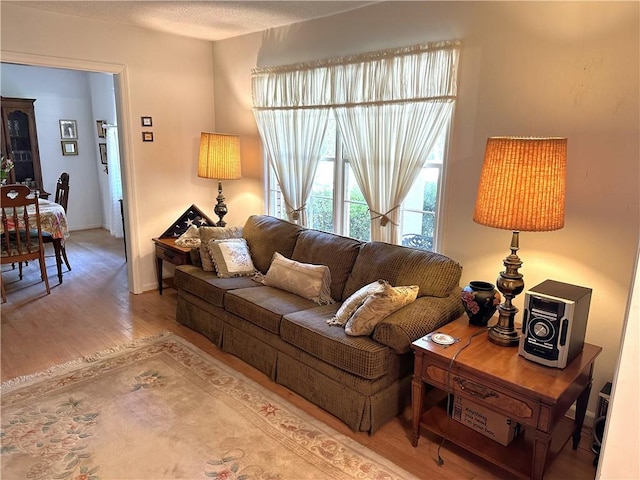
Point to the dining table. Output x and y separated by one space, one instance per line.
53 220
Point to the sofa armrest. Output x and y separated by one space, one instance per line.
400 329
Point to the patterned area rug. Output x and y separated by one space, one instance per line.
163 409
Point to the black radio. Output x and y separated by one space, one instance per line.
555 323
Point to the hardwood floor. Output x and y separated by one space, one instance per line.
93 310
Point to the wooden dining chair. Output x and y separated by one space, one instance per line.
61 198
62 190
21 238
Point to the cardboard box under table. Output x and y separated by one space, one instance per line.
491 424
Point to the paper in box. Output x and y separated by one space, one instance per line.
487 422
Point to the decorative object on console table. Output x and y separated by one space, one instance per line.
191 216
480 300
522 188
219 159
165 244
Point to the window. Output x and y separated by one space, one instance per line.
337 205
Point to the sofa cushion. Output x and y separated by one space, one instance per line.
309 331
207 285
214 233
336 252
266 235
435 274
231 257
312 282
264 306
377 307
352 303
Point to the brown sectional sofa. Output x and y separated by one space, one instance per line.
364 381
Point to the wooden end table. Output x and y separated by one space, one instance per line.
498 378
166 249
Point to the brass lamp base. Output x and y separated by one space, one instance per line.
504 332
510 284
221 208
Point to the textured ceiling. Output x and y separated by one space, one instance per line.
200 19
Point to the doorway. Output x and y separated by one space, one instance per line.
118 73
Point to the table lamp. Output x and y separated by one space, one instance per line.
219 159
522 188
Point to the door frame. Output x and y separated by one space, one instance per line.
122 100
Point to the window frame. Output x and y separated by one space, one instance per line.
341 203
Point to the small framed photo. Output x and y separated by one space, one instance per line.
68 129
103 153
147 136
69 147
146 121
100 126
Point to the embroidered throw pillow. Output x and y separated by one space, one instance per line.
231 257
214 233
312 282
379 306
356 299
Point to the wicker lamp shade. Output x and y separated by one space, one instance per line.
219 156
522 185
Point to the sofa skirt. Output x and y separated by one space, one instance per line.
362 404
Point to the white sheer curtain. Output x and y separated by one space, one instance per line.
293 139
292 125
390 108
115 182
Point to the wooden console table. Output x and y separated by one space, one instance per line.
498 378
166 249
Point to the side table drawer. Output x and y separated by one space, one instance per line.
506 402
176 258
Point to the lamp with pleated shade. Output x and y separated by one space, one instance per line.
219 159
522 188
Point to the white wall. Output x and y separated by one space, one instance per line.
164 76
622 436
103 107
62 95
527 68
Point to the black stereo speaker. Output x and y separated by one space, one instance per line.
554 323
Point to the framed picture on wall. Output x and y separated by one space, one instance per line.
100 127
146 121
147 136
68 129
103 153
69 147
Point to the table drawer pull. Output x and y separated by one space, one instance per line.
474 389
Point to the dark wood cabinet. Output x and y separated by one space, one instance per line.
20 142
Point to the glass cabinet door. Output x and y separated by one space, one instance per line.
20 146
20 142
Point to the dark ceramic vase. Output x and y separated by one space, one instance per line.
480 300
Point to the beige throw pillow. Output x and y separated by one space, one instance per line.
379 306
231 257
352 303
309 281
214 233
